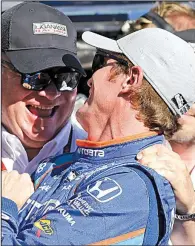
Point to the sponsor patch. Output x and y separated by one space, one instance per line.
67 187
50 205
104 190
4 216
45 226
83 206
50 28
45 187
91 152
71 176
66 215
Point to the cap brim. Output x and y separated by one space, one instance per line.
100 42
34 60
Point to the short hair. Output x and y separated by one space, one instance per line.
167 10
152 110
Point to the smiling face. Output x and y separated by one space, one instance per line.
34 116
99 108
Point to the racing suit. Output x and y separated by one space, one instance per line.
91 196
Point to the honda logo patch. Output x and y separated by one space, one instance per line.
50 28
104 190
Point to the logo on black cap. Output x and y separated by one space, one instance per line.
50 28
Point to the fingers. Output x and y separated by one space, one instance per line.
152 150
9 177
17 187
165 161
145 159
156 150
161 168
25 177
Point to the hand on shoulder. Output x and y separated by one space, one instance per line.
169 164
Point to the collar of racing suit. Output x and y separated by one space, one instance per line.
117 148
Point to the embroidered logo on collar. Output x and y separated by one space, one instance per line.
50 28
44 225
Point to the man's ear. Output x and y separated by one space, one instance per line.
133 80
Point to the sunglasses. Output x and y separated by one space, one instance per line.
65 79
99 60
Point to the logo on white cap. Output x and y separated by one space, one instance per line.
180 103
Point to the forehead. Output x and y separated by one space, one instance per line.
182 21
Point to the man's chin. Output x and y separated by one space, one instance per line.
184 137
40 137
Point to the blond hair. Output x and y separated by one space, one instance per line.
152 110
167 10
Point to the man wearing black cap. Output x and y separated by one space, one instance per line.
40 74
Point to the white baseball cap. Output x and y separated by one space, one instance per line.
168 62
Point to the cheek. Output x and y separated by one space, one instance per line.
105 97
12 91
68 99
14 103
71 96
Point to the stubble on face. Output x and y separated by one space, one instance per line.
186 133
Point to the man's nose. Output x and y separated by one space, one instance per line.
50 92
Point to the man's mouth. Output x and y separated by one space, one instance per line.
42 111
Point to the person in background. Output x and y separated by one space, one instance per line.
136 96
171 16
40 74
177 168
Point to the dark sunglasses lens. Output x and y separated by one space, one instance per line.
36 82
67 81
98 62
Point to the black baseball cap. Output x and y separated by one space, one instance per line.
36 36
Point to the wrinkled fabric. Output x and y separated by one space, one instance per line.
14 156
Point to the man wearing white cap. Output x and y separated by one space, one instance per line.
158 157
137 93
179 171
